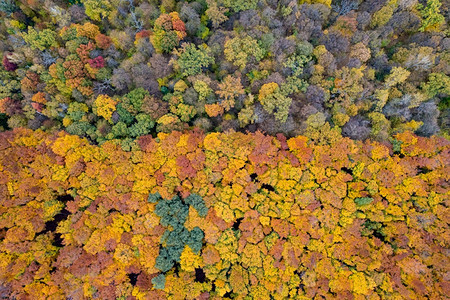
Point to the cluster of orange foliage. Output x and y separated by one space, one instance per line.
286 219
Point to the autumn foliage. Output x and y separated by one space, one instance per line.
239 216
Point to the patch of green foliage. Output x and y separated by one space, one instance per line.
363 201
173 213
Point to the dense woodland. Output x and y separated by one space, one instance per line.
120 69
223 216
224 149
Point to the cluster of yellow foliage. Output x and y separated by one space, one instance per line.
104 106
286 218
267 89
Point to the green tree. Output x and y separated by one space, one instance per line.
159 282
134 100
119 130
8 85
17 121
8 6
239 5
165 41
196 201
238 50
41 40
431 16
380 126
124 115
76 111
143 126
296 63
81 128
192 59
274 101
173 214
438 83
185 112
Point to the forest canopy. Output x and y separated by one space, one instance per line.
120 69
224 149
223 215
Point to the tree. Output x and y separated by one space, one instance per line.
10 107
196 201
185 111
192 59
190 261
417 58
274 101
214 110
41 40
380 126
239 50
428 114
154 107
8 6
88 30
296 64
173 213
229 89
397 75
104 106
144 77
247 114
190 16
76 111
203 89
97 62
438 83
160 65
431 16
143 126
239 5
119 130
159 282
382 16
74 75
325 2
29 82
8 65
98 9
216 13
361 285
165 41
9 85
360 51
357 128
82 128
168 31
134 100
121 79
